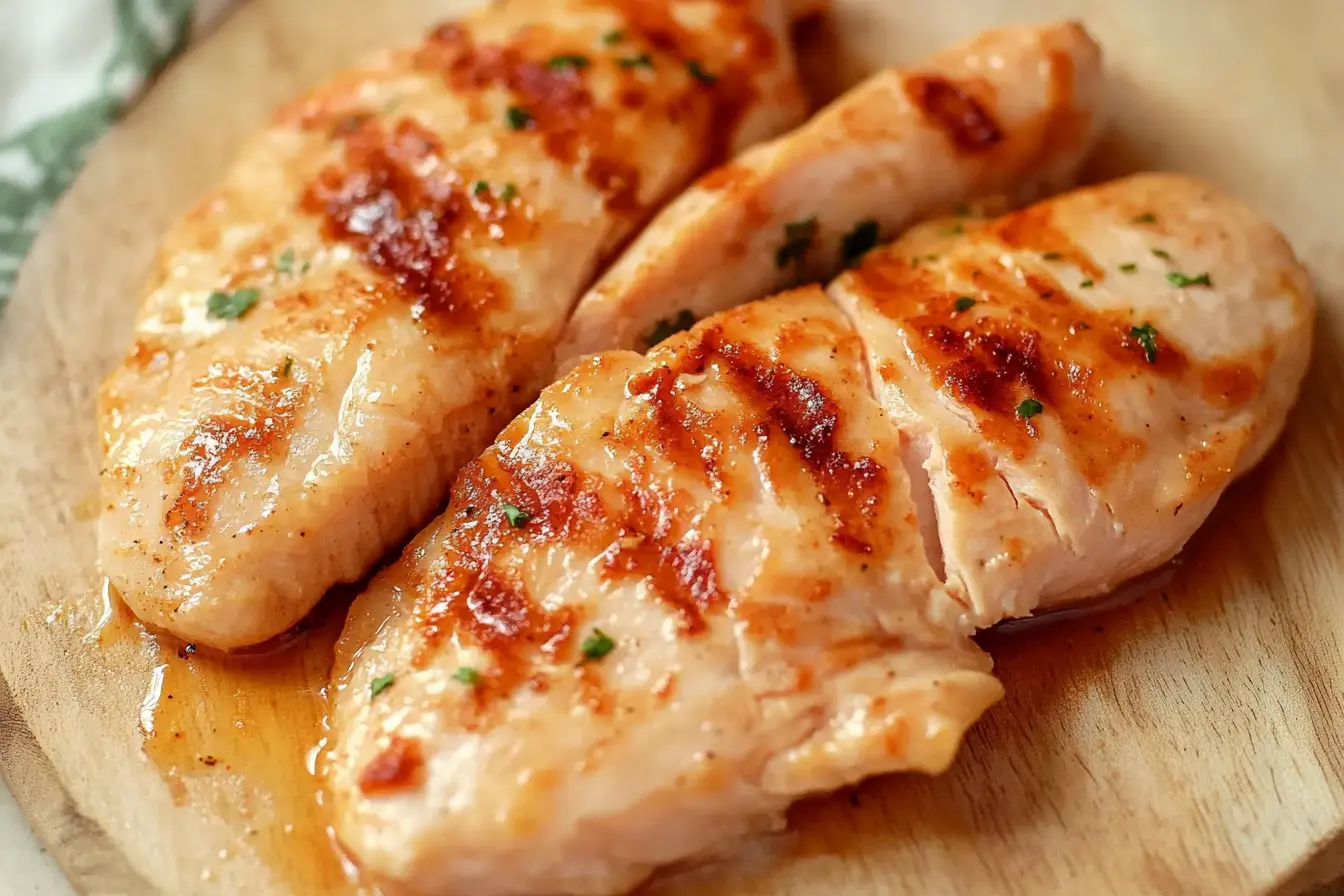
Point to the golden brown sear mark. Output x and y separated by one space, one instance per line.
263 416
408 224
949 105
398 766
636 524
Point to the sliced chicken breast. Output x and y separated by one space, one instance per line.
683 590
676 594
1078 382
1013 111
378 286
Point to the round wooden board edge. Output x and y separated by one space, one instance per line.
84 852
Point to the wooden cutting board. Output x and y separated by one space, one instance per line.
1190 741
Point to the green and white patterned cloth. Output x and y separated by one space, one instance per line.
68 68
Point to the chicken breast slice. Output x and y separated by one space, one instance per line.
1013 111
379 283
675 595
1077 383
682 591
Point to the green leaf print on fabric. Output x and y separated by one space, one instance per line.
41 161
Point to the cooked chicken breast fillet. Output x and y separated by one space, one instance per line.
1157 332
682 591
378 286
719 510
1012 111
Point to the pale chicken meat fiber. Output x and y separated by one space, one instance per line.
684 590
378 285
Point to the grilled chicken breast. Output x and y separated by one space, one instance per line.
1013 111
677 593
1078 382
683 590
379 283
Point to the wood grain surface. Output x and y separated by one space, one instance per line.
1189 741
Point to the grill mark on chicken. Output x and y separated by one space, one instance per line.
1033 230
259 424
408 224
574 128
731 91
398 766
964 119
778 396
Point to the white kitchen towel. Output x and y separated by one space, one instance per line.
67 69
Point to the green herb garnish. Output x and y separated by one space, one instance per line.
698 73
1162 254
1176 278
1029 408
1147 218
1147 337
665 328
612 38
285 263
858 242
479 187
468 676
954 230
381 683
1086 284
289 366
1053 256
798 237
643 60
231 305
517 517
509 193
518 117
1129 267
964 303
567 61
597 645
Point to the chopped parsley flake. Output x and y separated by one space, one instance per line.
517 518
518 117
1053 256
1086 284
1029 408
306 266
285 263
597 645
665 328
289 366
381 683
1148 218
612 38
509 193
231 305
467 676
954 230
1162 254
479 187
858 242
962 211
567 61
643 60
350 123
1129 268
1147 338
798 236
698 72
964 303
1176 278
